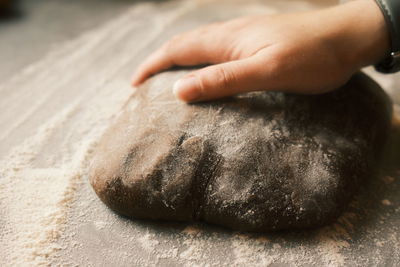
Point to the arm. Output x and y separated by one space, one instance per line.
312 52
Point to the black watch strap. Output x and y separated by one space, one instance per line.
391 12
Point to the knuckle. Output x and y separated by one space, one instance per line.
172 43
223 77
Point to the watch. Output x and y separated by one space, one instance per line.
391 13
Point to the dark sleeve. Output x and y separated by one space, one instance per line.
391 12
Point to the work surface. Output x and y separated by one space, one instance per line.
59 91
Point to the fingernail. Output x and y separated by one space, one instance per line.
187 89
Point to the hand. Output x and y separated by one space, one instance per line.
310 53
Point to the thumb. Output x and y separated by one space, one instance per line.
239 76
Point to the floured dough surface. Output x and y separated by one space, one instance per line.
255 162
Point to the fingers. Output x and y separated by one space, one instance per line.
193 48
226 79
156 62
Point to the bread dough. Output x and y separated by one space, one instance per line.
255 162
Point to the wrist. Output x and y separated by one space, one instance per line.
364 38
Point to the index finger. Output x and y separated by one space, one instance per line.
193 48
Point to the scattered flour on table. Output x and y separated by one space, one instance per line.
40 174
34 200
197 247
